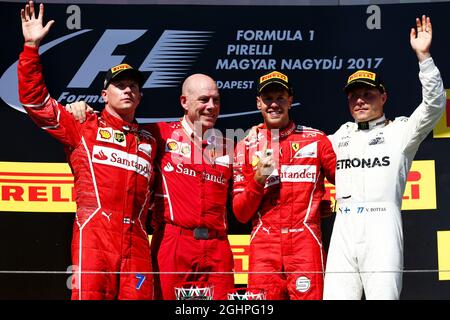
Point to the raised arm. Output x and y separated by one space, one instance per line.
432 106
45 111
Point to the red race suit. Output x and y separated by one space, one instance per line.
189 215
112 164
286 256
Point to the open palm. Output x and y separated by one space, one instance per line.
421 39
32 27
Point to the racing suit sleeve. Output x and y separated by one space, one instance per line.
247 193
45 111
327 159
430 110
328 167
155 131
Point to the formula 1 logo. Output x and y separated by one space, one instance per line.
168 62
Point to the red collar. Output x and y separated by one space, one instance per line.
117 123
283 133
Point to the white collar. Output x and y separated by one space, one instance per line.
187 127
367 125
211 139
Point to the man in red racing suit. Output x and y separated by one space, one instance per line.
189 215
286 254
112 163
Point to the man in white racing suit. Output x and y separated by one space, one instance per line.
374 156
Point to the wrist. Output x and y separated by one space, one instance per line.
260 179
423 56
33 44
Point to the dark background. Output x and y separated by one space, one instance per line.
41 241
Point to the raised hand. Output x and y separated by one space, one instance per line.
265 166
32 27
421 39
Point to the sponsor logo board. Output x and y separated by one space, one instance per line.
443 247
442 128
36 187
420 189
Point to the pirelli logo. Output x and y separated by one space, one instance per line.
122 66
36 187
443 245
420 190
442 128
272 75
240 245
361 75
